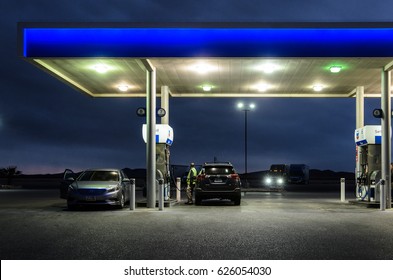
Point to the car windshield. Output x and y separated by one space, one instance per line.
99 176
219 170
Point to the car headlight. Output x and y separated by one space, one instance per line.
280 180
113 188
268 180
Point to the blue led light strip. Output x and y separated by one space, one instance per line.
207 42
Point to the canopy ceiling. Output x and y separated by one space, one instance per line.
233 60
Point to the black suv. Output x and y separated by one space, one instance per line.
218 180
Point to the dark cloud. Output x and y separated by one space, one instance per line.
45 126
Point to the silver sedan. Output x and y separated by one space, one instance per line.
98 187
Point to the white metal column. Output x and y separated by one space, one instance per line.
151 132
359 121
359 106
165 104
386 139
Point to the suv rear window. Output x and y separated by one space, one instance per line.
219 170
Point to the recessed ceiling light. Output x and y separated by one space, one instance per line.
268 68
203 68
101 68
207 88
335 69
317 87
123 88
262 87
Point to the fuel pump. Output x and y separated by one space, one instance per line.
164 139
368 173
162 164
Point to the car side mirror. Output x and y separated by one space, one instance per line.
126 180
70 179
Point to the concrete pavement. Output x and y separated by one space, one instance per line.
290 225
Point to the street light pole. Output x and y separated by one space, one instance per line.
245 146
246 109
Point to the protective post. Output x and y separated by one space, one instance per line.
161 194
132 194
342 181
382 205
178 188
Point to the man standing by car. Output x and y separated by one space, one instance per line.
191 180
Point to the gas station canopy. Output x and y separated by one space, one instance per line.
219 60
213 59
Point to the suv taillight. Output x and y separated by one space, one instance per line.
235 176
201 176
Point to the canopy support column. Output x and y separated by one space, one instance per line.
386 138
151 133
165 104
359 106
359 121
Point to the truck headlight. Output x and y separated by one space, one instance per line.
268 180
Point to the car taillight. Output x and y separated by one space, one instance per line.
235 176
201 176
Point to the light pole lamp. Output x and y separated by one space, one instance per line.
246 108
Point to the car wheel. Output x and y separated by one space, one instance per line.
121 201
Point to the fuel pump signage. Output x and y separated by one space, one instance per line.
164 134
369 134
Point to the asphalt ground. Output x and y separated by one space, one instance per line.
313 225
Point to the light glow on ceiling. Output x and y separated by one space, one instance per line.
318 87
123 87
262 87
268 68
203 68
335 69
207 87
101 68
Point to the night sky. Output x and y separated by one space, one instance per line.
46 126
